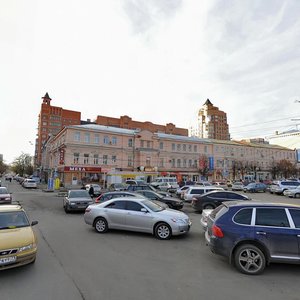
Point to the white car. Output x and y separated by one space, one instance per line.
137 214
292 193
29 184
204 218
237 186
199 190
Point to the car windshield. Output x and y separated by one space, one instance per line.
78 194
3 191
15 219
152 206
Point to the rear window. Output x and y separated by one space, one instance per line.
197 191
218 212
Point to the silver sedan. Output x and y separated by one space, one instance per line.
137 214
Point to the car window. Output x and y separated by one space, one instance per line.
233 196
116 205
106 197
133 206
197 191
295 213
217 195
13 220
243 216
275 217
3 191
78 194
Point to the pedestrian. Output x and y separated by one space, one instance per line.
91 191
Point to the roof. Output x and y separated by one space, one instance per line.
183 138
111 129
207 102
259 203
46 96
10 207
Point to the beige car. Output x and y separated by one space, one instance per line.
18 243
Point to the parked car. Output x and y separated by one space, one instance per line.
117 187
137 214
278 187
215 198
204 217
134 181
18 242
77 200
252 234
29 184
180 191
199 190
170 201
293 193
165 183
5 196
96 191
123 194
255 187
220 184
237 186
139 187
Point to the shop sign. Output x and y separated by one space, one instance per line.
82 169
61 156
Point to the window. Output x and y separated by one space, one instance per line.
161 162
232 196
77 136
243 216
148 144
114 140
105 159
130 143
148 161
195 163
106 140
113 159
184 163
129 161
295 213
96 159
190 148
178 147
178 163
195 148
86 137
76 158
205 149
161 145
142 143
274 217
86 158
184 147
97 139
116 205
173 147
173 163
133 206
190 163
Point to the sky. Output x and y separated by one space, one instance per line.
153 60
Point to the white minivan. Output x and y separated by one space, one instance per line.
199 190
166 183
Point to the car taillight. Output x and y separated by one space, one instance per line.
217 231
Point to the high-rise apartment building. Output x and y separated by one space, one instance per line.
212 123
51 120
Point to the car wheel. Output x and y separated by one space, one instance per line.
208 206
249 259
101 225
297 195
162 231
66 207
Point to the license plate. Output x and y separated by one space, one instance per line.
7 260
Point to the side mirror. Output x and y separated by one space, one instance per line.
144 210
34 223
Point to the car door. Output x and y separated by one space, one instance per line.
137 220
216 198
115 213
295 215
272 228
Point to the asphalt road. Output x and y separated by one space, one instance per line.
74 262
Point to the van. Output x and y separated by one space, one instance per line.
165 181
199 190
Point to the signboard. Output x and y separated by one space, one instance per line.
211 163
61 156
82 169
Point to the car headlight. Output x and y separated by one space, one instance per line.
7 198
178 220
25 248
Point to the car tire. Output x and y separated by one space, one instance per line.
162 231
66 208
249 259
101 225
208 206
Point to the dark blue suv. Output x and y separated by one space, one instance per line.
253 234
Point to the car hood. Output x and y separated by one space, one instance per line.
171 199
17 237
172 213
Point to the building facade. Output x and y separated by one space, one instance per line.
50 121
80 153
212 123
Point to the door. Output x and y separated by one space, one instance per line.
136 219
272 227
116 213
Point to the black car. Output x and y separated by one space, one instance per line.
149 187
213 199
253 234
170 201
